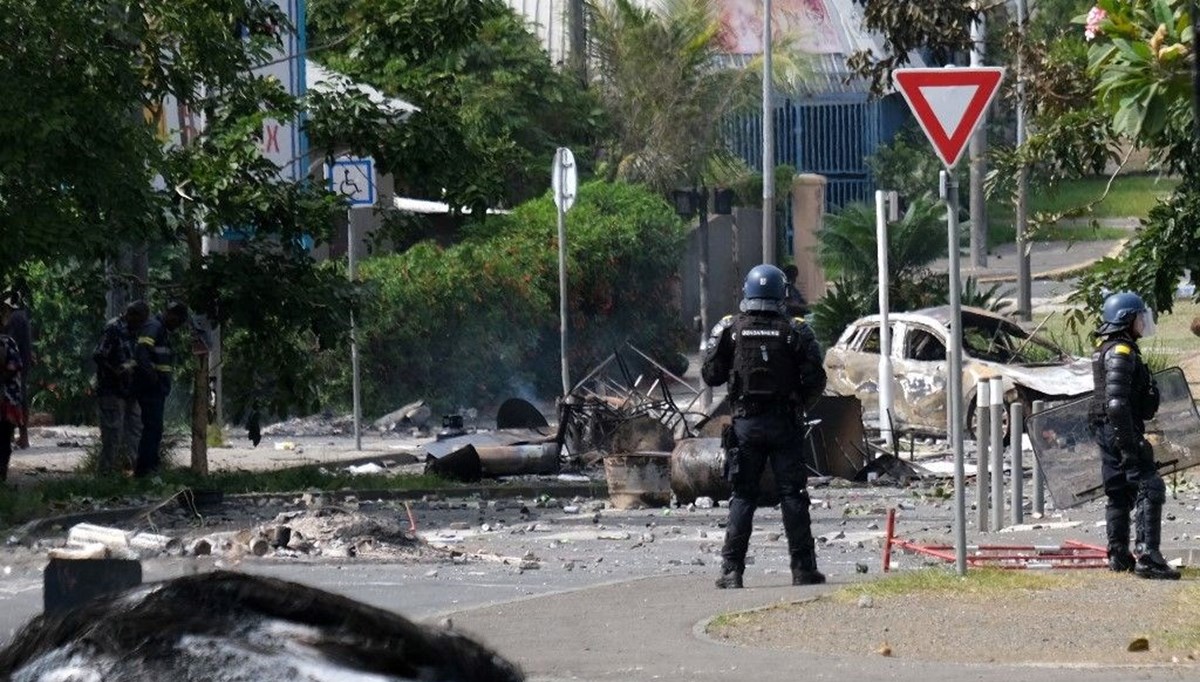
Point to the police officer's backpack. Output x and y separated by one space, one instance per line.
764 364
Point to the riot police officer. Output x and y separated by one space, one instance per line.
1124 397
773 366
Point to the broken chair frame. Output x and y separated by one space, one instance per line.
610 395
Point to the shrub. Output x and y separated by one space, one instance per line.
67 315
478 321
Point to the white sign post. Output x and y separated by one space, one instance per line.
949 104
353 179
565 181
887 208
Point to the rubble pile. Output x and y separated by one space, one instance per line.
323 424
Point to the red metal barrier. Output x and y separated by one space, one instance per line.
1069 554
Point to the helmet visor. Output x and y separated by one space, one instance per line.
1144 325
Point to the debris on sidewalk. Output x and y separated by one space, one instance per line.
87 540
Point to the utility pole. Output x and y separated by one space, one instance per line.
577 37
768 142
1024 280
977 151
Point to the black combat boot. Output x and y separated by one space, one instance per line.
1120 559
1116 520
731 576
804 568
801 546
1150 562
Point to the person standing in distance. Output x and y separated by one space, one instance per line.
12 402
773 366
120 416
155 360
1125 396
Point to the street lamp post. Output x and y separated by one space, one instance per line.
768 142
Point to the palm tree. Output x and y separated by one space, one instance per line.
847 248
667 86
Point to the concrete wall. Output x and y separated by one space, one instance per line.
808 214
734 246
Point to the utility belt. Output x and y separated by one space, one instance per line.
751 408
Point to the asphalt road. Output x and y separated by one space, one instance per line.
624 596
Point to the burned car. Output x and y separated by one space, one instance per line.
1032 368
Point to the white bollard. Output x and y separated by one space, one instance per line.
1039 483
997 453
983 437
1016 427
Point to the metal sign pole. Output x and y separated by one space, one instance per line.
885 330
356 387
954 372
561 170
768 141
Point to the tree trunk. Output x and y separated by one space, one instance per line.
199 373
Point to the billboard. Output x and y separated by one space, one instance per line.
813 25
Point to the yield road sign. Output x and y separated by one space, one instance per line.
564 179
949 103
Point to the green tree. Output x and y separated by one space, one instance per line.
940 29
1139 56
661 77
493 107
73 149
85 74
848 253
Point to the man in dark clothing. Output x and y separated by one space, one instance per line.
152 382
793 300
773 366
20 329
1124 397
120 416
12 410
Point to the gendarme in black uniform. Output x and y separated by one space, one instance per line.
773 366
1124 397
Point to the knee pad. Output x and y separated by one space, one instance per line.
1153 489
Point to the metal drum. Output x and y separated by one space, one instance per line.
639 479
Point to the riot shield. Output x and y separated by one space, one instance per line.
1070 459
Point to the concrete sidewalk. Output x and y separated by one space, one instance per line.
1047 260
652 629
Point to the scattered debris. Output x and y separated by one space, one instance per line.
118 542
323 424
516 413
414 415
611 395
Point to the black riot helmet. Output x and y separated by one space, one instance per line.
764 289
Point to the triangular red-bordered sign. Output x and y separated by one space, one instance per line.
949 103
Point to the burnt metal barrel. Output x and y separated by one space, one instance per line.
698 470
638 479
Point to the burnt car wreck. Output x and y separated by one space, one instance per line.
1031 367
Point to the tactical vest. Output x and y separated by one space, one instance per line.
764 363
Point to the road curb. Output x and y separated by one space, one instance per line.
21 534
1057 274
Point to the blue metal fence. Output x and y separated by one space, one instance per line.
831 135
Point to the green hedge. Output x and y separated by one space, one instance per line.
477 322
